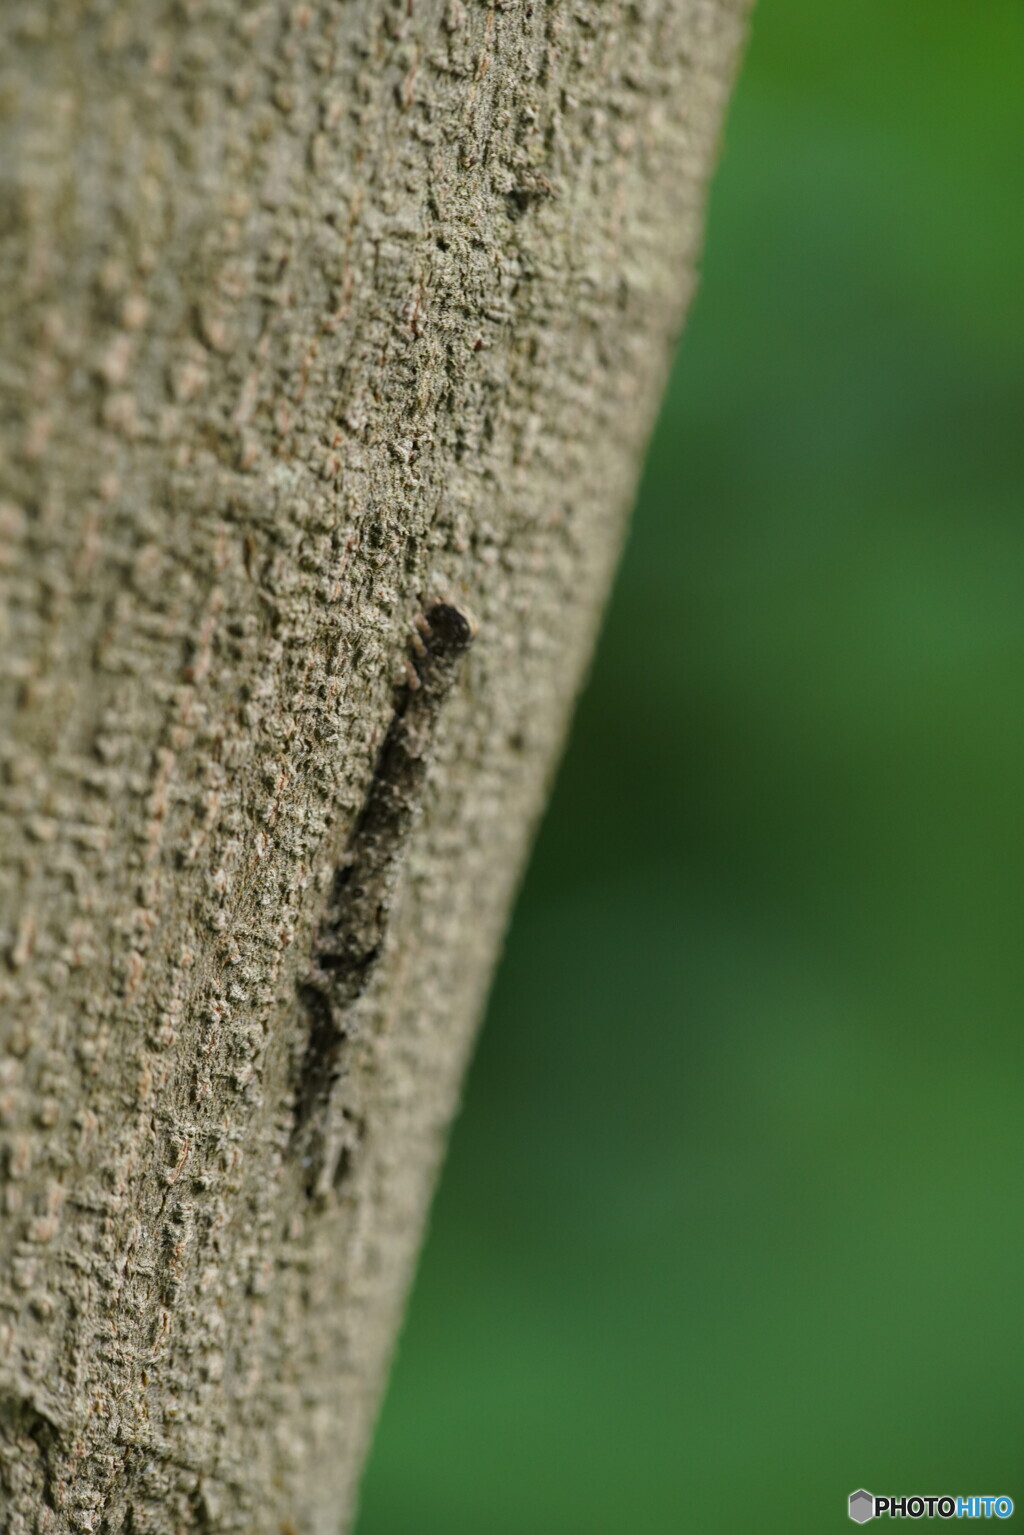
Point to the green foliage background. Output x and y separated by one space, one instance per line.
731 1223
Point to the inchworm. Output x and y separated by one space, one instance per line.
351 936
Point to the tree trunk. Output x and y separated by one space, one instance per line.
317 318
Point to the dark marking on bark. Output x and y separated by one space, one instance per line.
351 937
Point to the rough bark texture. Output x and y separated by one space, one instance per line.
313 315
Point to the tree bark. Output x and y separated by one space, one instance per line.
315 316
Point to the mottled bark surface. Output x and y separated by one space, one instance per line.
313 315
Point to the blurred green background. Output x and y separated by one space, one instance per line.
731 1222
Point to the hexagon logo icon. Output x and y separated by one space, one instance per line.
862 1506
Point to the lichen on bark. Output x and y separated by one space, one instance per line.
313 314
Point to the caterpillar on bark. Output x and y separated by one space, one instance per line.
350 939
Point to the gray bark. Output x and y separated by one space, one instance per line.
314 315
